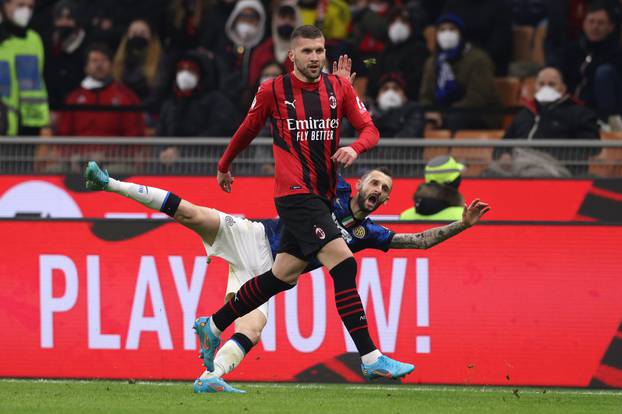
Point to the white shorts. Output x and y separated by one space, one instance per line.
244 245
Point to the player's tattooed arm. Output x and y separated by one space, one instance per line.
427 238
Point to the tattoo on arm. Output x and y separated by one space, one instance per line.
427 238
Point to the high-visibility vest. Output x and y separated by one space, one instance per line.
447 214
28 62
8 89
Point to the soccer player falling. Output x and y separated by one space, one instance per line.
229 237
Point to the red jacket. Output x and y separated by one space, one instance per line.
102 123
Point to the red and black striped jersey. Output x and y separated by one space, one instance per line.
305 121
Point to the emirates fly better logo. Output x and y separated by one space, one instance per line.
312 129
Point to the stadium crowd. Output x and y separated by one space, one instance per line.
190 68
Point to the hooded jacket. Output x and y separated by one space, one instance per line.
230 29
204 111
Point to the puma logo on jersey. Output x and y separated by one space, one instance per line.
292 103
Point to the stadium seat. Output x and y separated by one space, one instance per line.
476 159
429 33
537 51
508 89
604 163
431 152
522 38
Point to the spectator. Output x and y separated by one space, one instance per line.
553 114
65 49
217 15
244 30
99 88
438 198
591 65
405 53
195 107
532 13
186 24
23 50
488 24
459 75
270 71
138 60
333 16
285 19
395 115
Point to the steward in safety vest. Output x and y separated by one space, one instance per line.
21 69
438 198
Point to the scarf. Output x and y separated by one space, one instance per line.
447 90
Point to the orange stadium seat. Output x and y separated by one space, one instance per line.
429 34
431 152
476 159
508 89
522 37
528 88
603 164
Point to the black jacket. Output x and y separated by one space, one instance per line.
406 121
574 56
564 119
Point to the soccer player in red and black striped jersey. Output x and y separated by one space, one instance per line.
305 108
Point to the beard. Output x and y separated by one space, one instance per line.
363 201
310 74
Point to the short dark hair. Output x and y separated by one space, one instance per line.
600 5
306 32
385 170
98 47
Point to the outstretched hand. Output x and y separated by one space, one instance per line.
225 180
345 156
472 213
343 67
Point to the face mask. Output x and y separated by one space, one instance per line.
285 31
399 31
137 43
448 39
21 16
186 80
246 30
547 94
390 99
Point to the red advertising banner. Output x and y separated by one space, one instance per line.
515 200
497 304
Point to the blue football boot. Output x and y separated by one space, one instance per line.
386 367
208 341
96 178
214 384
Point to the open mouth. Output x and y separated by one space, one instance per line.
372 200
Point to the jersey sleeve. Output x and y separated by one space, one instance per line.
360 119
379 237
253 122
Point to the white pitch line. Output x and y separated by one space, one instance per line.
405 387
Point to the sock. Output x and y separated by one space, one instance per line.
370 358
231 354
151 197
349 305
251 295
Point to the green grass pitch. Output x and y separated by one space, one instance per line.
39 396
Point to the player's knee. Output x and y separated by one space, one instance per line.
345 270
253 333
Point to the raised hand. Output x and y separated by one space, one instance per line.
343 67
472 213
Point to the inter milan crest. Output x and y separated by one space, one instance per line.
332 101
359 232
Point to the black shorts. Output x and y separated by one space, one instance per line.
307 224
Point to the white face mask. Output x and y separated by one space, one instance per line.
448 39
399 31
186 80
21 16
246 31
390 99
547 94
